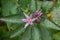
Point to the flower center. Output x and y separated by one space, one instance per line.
29 19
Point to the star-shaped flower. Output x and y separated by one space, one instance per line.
29 20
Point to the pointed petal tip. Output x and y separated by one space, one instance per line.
32 24
26 25
25 15
23 20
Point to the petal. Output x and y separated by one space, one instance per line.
26 25
31 15
34 19
39 12
31 24
38 19
26 15
23 20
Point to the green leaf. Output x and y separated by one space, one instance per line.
16 38
33 5
39 3
17 31
56 36
8 25
9 7
48 24
27 34
45 34
16 28
24 3
55 15
12 26
13 18
47 5
35 33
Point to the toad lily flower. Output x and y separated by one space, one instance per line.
29 20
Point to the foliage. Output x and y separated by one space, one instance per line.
11 13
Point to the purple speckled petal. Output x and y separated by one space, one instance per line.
34 19
39 12
38 18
